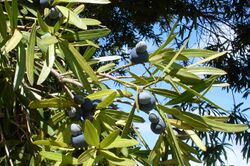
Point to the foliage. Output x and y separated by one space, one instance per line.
43 67
211 22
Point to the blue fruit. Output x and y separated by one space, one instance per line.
159 127
145 97
54 13
153 118
147 107
79 99
46 2
87 106
78 141
96 102
75 129
138 57
72 112
141 47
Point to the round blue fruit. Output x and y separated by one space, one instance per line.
147 107
159 127
141 47
87 106
54 13
79 99
137 57
75 129
46 2
78 141
145 97
153 118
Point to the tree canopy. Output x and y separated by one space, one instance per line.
131 21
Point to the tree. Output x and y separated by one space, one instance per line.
136 20
57 108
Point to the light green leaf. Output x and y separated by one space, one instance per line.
107 92
107 58
122 142
84 1
164 92
207 59
91 134
198 53
109 139
196 139
30 55
51 103
125 162
72 17
110 156
86 35
106 67
20 66
64 159
90 21
107 101
12 42
90 153
83 63
47 65
139 78
42 24
204 70
50 143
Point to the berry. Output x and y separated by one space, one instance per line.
87 106
137 58
79 99
159 127
45 3
146 101
153 118
141 47
72 112
75 129
54 13
145 97
78 141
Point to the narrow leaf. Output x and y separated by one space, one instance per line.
109 139
51 103
91 134
12 42
107 101
64 159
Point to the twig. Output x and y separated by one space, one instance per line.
121 67
6 148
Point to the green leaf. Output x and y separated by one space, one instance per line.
91 134
90 153
107 101
14 16
48 40
164 92
3 25
107 58
125 162
20 66
204 70
122 142
106 67
64 159
72 17
51 103
120 115
50 143
198 53
107 92
90 21
74 65
30 55
83 63
12 42
84 1
86 35
139 78
42 24
109 139
196 139
110 156
47 65
207 59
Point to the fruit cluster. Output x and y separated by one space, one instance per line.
77 138
146 101
54 14
86 109
139 54
157 124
